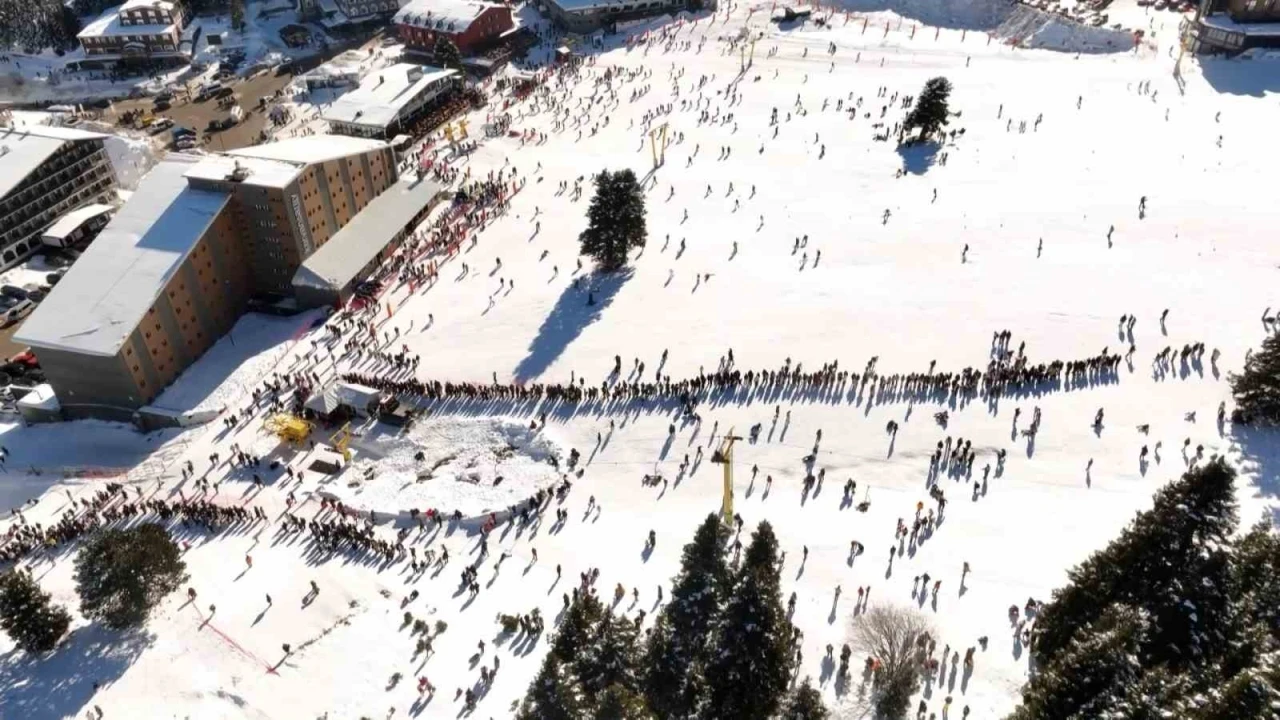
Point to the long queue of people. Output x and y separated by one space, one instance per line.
1002 377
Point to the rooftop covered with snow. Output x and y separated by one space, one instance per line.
23 150
108 24
250 170
110 288
68 223
382 96
448 15
309 148
144 4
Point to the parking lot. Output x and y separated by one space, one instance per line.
186 112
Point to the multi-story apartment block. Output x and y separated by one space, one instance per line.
44 173
175 267
145 29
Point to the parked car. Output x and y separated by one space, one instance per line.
17 312
13 291
165 96
36 295
7 302
161 125
53 277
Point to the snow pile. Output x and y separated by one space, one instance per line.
1032 28
1006 20
472 466
131 158
237 361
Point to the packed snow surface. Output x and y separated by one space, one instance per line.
1056 148
471 466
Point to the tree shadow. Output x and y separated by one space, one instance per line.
1259 450
60 684
917 158
573 312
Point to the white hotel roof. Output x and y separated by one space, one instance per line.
383 94
22 150
110 288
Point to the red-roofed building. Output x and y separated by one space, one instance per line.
472 25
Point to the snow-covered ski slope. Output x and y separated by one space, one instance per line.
896 289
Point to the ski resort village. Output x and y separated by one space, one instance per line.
639 360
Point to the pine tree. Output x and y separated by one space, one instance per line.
1147 566
615 220
1091 674
619 703
748 674
805 704
122 574
1175 618
613 657
930 113
27 615
554 694
680 643
447 54
1257 389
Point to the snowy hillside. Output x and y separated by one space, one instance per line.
810 242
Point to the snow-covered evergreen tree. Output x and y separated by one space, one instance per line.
1175 618
615 220
554 694
680 643
122 574
805 704
27 615
748 674
1257 388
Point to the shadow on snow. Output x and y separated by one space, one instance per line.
577 308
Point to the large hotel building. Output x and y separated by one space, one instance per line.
46 172
175 267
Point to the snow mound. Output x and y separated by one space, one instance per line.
956 14
1006 20
131 158
471 466
1032 28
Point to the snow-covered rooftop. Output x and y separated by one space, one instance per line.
23 150
449 15
108 24
309 148
578 5
381 97
143 4
1222 21
256 171
68 223
110 288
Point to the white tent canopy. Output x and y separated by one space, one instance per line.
358 397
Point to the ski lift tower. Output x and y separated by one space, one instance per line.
724 456
658 144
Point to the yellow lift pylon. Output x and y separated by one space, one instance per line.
658 144
724 456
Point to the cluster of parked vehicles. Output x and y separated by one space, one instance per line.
17 302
